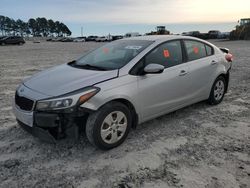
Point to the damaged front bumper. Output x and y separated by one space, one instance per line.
51 126
38 132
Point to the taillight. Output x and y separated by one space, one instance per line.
229 57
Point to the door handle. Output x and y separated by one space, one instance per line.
214 62
183 73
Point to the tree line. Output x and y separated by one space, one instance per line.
34 27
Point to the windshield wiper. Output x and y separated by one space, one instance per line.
87 66
92 67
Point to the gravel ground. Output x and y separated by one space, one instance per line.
198 146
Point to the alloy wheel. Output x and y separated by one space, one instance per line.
114 127
219 90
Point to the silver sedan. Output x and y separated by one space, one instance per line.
120 85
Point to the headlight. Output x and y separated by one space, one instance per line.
68 100
56 104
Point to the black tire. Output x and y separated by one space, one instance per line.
95 122
3 44
213 98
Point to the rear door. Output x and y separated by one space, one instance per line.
159 93
202 64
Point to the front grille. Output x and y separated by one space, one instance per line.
24 103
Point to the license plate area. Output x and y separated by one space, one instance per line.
24 117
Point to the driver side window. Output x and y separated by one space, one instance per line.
168 54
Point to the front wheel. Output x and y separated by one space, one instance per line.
218 91
109 126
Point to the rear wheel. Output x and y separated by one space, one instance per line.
109 126
218 91
3 43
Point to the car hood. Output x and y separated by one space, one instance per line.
63 79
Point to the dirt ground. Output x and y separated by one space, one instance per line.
198 146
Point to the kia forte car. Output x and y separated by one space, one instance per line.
110 90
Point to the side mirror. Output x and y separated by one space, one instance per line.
153 69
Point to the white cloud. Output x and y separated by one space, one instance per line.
130 11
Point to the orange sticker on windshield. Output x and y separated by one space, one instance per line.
196 50
166 53
105 50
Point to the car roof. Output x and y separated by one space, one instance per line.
159 38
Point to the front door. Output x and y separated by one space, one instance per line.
159 93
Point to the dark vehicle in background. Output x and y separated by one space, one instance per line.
91 38
60 39
214 34
66 39
224 35
196 34
117 37
184 34
12 40
203 36
191 33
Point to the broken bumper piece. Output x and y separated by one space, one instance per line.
40 133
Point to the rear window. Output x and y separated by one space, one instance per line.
209 50
195 50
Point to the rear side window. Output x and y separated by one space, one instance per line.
195 50
168 54
209 50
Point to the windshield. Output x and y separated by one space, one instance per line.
113 55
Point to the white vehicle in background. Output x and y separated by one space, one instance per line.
80 39
104 38
132 34
101 39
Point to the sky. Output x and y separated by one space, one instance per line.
101 17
